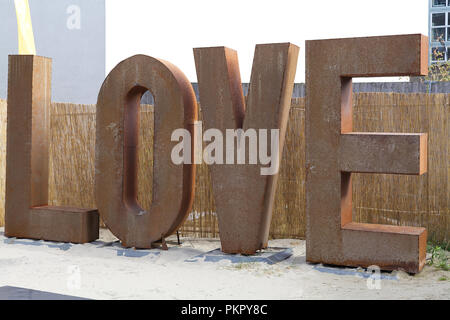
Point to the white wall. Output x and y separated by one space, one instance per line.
75 42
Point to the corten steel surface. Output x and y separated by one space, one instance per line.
333 152
243 197
27 158
116 153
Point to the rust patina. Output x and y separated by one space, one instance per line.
334 152
116 153
27 214
243 197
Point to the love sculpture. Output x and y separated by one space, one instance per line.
244 198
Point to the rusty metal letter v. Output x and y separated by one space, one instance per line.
243 197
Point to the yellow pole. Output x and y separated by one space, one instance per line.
24 28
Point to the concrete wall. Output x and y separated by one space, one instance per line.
72 33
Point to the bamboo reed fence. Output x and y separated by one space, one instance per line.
387 199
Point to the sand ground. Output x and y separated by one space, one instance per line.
105 270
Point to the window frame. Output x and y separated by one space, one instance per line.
446 25
433 43
446 28
445 19
446 4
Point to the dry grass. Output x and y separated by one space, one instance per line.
407 200
72 155
388 199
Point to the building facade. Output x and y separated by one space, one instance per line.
72 33
439 30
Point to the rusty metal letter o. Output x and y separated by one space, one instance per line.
116 150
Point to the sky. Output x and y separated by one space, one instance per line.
170 29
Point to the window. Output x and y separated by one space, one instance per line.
438 19
440 30
439 3
440 27
438 54
438 34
